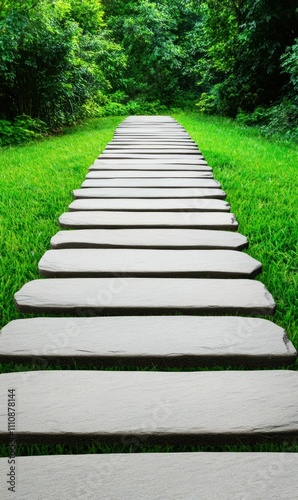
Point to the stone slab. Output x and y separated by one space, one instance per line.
149 238
183 148
164 205
94 295
114 219
68 263
111 151
148 166
148 174
147 476
167 340
151 183
152 407
175 158
148 193
157 141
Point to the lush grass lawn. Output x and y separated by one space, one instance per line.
259 176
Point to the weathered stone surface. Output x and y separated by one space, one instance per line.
163 205
113 219
149 238
151 183
150 193
148 174
144 165
152 407
152 263
180 158
93 295
169 340
147 476
152 142
153 148
126 152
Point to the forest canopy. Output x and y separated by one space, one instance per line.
64 60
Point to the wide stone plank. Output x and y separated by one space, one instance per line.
149 238
152 142
113 219
153 147
165 340
157 193
152 407
148 166
93 295
175 158
151 183
110 151
68 263
147 476
148 174
164 205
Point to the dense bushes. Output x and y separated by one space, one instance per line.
63 60
56 60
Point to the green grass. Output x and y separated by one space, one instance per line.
258 175
260 178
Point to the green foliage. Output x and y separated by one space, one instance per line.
289 64
22 129
159 41
242 43
278 120
56 60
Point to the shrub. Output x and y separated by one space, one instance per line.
22 129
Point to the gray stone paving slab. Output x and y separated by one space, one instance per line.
146 165
170 340
181 158
157 193
164 205
148 174
149 238
152 142
152 407
151 183
114 219
68 263
155 147
147 476
132 295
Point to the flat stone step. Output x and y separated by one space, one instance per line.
147 476
118 152
164 340
113 219
149 238
144 295
151 183
68 263
164 205
148 174
141 141
144 165
157 193
152 407
184 148
180 158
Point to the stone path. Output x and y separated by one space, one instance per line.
151 234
